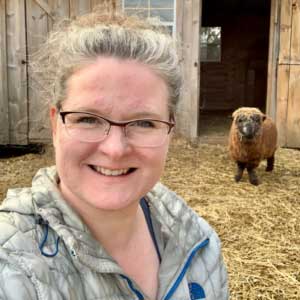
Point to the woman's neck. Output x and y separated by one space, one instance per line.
125 236
120 224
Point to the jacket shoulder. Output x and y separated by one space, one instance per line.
17 218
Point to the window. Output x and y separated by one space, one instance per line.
163 9
210 44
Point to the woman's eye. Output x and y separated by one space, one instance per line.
144 123
87 120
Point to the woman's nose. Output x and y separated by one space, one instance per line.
115 143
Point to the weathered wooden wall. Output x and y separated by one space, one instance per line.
4 131
288 76
24 25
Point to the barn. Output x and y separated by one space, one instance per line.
233 53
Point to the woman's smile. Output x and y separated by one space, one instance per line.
112 172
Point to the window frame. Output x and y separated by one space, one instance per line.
148 9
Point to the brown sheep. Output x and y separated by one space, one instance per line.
252 138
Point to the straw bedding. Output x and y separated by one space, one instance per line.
259 225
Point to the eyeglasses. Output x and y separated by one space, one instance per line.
89 127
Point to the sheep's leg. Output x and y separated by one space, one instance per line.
240 169
252 175
270 163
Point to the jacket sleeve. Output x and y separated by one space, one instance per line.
15 284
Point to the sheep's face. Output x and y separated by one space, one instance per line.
249 125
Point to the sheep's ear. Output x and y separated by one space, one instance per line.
264 117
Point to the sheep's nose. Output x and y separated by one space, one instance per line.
248 131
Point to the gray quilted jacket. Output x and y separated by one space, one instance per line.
47 253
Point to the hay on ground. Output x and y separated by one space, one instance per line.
259 225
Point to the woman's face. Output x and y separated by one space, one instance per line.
119 90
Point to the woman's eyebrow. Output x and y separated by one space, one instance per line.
145 115
130 116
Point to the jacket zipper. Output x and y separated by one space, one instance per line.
179 278
135 291
185 268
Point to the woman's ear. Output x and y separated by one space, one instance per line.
53 119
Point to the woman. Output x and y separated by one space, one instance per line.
99 225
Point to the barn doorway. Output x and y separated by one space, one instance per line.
234 62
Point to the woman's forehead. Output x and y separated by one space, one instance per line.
110 82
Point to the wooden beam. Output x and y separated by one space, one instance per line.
272 58
45 7
285 32
283 77
188 107
78 7
295 38
293 109
4 123
17 72
38 25
293 104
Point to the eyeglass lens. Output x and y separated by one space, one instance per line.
91 128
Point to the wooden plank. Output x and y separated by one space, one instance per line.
179 27
4 123
98 2
73 8
184 104
37 30
285 31
293 110
44 5
17 75
188 106
60 9
283 76
295 42
272 59
195 66
79 7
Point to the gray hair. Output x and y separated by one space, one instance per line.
75 43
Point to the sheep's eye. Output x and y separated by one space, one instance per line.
240 119
256 118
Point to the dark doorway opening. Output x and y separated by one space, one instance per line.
234 67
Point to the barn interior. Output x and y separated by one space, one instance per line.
234 62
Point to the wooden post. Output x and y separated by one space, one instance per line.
188 26
4 123
293 105
295 38
39 23
283 73
272 58
17 76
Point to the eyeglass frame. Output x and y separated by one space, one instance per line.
122 124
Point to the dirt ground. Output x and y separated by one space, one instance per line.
259 226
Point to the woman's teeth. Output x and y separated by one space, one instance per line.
109 172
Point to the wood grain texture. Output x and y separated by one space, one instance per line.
17 72
188 107
4 122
